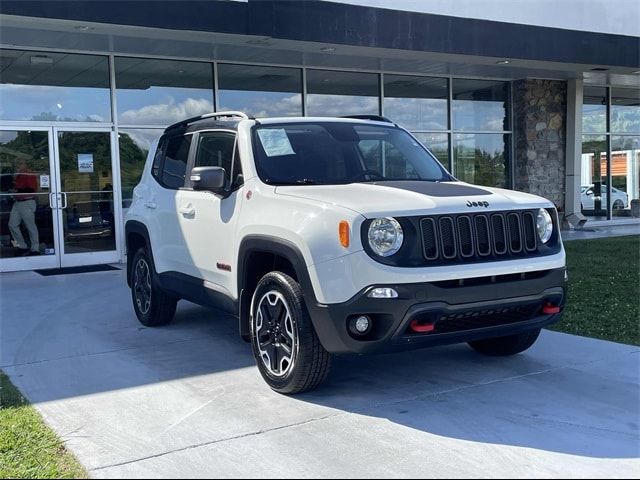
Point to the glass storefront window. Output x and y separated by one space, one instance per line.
416 103
260 91
593 196
625 110
438 144
480 105
134 145
594 110
48 86
333 94
162 92
625 172
482 159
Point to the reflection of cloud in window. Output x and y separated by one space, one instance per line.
52 103
262 104
337 105
417 113
143 138
166 113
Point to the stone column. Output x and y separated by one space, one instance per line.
540 113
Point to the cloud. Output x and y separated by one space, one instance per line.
166 113
337 105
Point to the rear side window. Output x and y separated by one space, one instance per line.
157 161
174 167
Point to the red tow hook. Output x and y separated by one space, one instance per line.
420 327
549 309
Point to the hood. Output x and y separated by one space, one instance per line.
409 198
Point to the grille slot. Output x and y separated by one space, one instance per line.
448 238
480 236
530 234
483 239
429 239
515 235
499 234
465 236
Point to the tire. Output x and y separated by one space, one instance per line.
618 205
287 350
506 346
152 305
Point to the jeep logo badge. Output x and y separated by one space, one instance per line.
477 204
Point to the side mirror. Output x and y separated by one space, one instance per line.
589 192
212 179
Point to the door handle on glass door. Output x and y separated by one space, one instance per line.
188 211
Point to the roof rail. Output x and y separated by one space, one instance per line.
377 118
229 113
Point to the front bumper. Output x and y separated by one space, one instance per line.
460 311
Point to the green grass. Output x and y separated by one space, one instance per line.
28 448
604 289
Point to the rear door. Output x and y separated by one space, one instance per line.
168 242
208 221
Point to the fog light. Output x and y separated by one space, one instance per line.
382 293
360 325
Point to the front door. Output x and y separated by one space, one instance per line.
57 204
28 215
87 218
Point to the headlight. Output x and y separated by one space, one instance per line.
544 224
385 236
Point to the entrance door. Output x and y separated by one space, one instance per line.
28 216
87 215
57 204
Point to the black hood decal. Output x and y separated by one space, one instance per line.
434 189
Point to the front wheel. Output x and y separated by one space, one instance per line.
287 350
505 346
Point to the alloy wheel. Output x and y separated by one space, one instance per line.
142 286
275 335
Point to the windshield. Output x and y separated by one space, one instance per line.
329 153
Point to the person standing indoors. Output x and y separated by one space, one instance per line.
24 210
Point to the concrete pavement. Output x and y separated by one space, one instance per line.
187 401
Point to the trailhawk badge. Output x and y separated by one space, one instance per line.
477 204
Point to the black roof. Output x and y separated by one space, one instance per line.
182 127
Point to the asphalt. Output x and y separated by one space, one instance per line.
187 401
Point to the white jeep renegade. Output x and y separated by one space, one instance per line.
336 235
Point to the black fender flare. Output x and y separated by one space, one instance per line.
278 246
139 228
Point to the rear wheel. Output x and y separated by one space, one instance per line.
505 346
618 205
153 306
287 350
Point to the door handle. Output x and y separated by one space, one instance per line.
51 201
151 205
188 211
61 198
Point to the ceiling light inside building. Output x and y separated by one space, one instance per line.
504 62
328 49
84 28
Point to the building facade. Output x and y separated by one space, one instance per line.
87 86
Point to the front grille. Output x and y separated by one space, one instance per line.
474 319
462 238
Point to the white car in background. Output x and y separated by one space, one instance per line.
619 199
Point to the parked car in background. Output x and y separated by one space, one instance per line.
619 199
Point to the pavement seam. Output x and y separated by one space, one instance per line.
107 352
221 440
499 380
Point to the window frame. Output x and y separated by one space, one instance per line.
193 153
162 144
